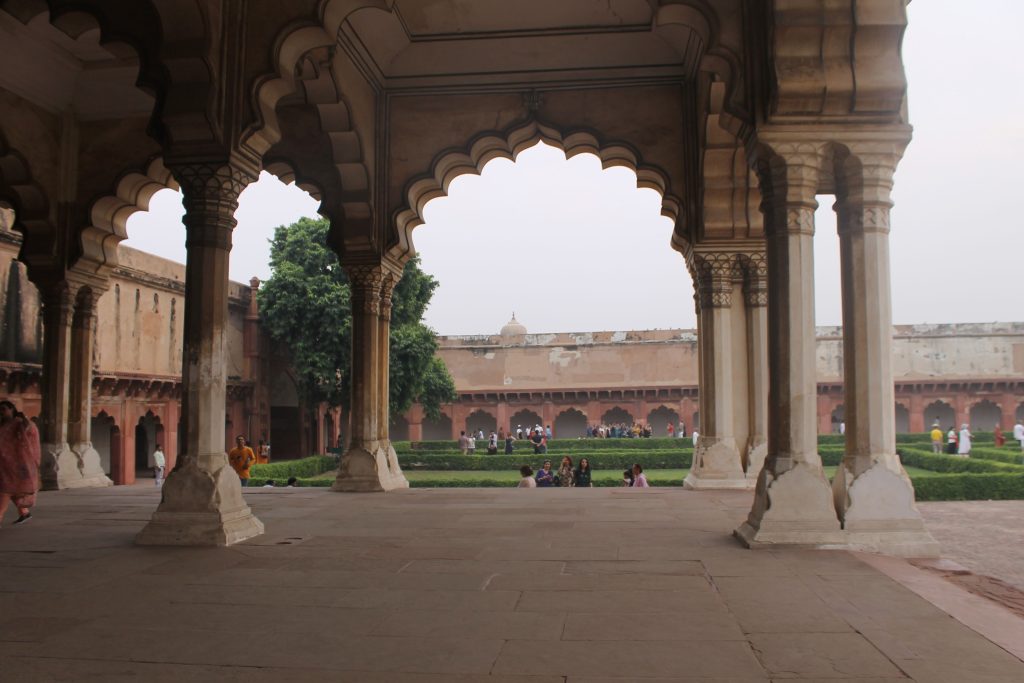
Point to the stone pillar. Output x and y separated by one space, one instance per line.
917 423
686 408
547 412
962 408
370 463
501 412
755 294
716 462
873 494
68 459
202 501
83 327
792 502
415 419
826 404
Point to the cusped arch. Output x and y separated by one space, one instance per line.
483 148
21 191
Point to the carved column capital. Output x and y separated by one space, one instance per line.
58 301
755 279
864 197
789 173
386 291
211 193
714 273
367 282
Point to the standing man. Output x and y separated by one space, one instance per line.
936 435
463 442
964 450
1018 433
159 462
241 458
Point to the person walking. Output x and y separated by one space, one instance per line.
936 435
19 462
582 476
951 440
1018 433
998 436
241 459
159 465
509 444
471 444
964 450
463 442
492 444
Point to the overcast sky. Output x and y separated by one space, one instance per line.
569 247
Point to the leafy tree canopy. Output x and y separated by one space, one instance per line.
306 307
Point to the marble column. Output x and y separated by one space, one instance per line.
755 295
370 463
202 501
716 461
83 327
874 496
792 501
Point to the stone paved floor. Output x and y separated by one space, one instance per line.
986 536
436 585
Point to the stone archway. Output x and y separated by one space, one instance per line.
481 420
941 412
570 424
525 418
902 419
660 418
1020 413
147 431
617 416
103 428
985 415
437 430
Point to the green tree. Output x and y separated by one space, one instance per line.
306 308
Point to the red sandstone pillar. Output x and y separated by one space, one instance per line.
686 408
962 409
547 413
1008 406
129 420
172 410
825 407
415 419
502 416
117 464
917 425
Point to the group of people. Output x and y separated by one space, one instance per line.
575 477
959 443
537 436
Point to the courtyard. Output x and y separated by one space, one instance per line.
477 584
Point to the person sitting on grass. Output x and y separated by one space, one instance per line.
639 479
627 478
268 484
527 482
545 477
292 483
582 475
565 476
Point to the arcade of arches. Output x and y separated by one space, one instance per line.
373 106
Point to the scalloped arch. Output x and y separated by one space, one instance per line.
18 188
452 163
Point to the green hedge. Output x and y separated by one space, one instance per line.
970 486
1005 454
927 460
304 467
654 460
559 444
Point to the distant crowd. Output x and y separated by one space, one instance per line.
538 436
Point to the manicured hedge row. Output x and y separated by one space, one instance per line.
654 460
1006 454
970 486
304 467
494 483
927 460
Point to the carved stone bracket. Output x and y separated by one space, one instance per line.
211 197
714 274
755 279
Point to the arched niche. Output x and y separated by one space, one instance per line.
102 429
570 424
617 416
437 430
985 416
940 412
660 418
902 419
481 420
525 418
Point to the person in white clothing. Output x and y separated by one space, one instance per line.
964 451
1018 433
696 436
159 463
527 481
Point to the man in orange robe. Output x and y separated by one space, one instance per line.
241 458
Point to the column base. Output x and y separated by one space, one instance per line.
878 511
792 509
200 508
65 467
370 467
716 465
756 454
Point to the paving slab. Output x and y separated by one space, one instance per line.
498 585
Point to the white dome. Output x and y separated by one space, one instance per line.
513 328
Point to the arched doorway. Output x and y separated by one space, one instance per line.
659 420
481 420
985 415
570 424
1020 413
696 421
145 443
525 418
102 427
437 430
617 416
838 419
286 422
399 428
902 419
941 412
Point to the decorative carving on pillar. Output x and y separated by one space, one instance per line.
714 274
755 279
367 284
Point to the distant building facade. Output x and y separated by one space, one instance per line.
952 374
